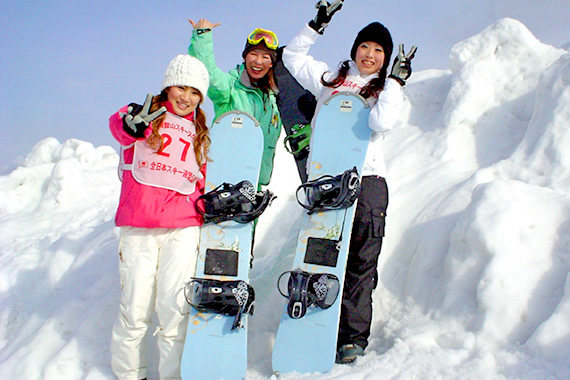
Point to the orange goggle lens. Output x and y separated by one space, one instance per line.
266 35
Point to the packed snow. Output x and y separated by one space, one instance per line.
474 272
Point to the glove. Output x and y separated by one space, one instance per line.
402 68
137 118
324 15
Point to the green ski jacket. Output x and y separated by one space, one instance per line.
233 91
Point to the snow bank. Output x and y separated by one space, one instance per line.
474 273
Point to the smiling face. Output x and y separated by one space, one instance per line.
184 99
257 63
369 57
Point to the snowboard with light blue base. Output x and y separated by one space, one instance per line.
212 349
339 142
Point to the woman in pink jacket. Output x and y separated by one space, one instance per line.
164 147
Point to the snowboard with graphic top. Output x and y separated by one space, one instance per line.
339 142
213 350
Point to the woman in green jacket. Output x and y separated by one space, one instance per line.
250 87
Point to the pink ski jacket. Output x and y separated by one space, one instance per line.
147 206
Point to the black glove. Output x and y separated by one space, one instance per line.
402 68
137 118
324 15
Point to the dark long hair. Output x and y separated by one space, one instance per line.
372 88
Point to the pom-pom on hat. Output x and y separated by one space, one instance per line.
374 32
185 70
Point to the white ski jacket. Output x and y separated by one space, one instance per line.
384 110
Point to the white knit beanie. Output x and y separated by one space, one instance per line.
185 70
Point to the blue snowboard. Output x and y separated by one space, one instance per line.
339 142
212 349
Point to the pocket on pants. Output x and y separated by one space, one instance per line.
378 223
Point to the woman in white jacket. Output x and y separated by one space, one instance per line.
366 74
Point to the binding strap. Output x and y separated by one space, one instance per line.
330 193
240 203
233 298
297 143
304 289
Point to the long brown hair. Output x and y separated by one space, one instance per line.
202 141
372 88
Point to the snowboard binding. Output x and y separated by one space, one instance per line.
331 193
304 289
233 298
298 140
240 203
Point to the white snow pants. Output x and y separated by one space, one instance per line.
154 266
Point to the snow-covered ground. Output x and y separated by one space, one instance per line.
474 273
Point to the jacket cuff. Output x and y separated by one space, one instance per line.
309 32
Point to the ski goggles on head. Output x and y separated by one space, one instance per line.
267 36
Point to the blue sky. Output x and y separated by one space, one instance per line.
66 66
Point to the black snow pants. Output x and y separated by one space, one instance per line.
361 270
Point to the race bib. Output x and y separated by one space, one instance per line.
174 168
